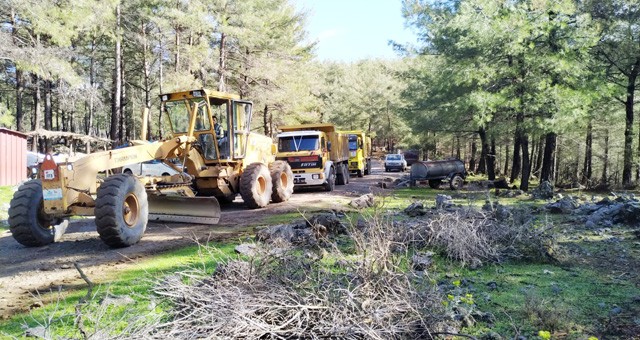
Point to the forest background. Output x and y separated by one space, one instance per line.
537 89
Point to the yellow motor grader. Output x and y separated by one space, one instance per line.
212 148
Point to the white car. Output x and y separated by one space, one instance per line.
395 161
150 168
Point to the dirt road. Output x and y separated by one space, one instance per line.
25 271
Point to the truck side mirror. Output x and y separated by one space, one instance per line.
329 146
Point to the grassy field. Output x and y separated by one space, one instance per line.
588 293
6 193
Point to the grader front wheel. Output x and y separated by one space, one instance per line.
282 178
122 211
256 185
29 224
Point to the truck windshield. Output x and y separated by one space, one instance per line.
298 143
353 142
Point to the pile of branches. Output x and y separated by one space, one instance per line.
473 236
287 294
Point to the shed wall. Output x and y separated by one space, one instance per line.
13 157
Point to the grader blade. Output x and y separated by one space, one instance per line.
197 210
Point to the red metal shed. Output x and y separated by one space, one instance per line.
13 157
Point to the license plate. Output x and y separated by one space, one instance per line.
49 174
52 194
299 181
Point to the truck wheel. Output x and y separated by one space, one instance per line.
29 224
347 175
255 185
340 179
367 167
456 182
361 173
122 211
331 181
282 180
434 183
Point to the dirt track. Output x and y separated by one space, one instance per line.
25 271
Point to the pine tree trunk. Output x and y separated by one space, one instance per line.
125 117
161 80
146 68
115 133
176 63
37 101
474 150
265 120
588 157
491 161
538 163
548 160
484 151
526 165
48 110
516 166
19 99
506 159
605 160
628 131
222 87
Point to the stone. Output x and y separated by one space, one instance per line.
415 209
443 201
564 205
492 285
421 261
543 191
330 221
113 300
37 332
247 249
364 201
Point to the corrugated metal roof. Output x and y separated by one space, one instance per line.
12 132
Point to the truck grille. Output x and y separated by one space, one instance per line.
305 162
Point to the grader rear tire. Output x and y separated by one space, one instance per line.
282 181
256 185
122 211
29 224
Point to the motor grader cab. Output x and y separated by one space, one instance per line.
215 164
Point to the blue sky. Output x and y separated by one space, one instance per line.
350 30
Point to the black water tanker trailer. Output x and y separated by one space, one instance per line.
436 172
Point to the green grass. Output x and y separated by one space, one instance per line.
533 297
58 311
6 193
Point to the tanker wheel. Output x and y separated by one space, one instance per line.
255 185
122 211
456 182
331 181
340 179
282 180
434 183
28 222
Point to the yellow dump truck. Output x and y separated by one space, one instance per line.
317 153
359 152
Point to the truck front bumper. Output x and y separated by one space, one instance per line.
312 179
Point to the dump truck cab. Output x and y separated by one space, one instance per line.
317 153
359 152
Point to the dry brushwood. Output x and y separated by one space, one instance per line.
473 237
287 295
